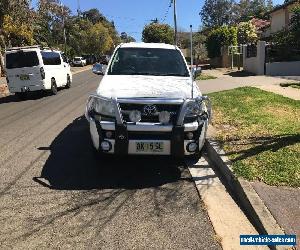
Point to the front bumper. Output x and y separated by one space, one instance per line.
124 136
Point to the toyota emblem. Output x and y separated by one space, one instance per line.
150 110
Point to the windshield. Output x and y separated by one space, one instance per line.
21 59
97 66
148 61
77 58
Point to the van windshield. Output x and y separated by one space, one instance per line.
21 59
148 61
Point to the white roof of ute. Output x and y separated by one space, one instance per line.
148 45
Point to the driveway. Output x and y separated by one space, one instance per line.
227 80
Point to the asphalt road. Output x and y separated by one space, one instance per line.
55 194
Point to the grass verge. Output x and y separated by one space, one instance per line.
260 132
205 77
293 85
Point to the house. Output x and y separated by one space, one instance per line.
280 16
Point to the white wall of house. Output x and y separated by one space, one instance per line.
283 68
278 20
255 65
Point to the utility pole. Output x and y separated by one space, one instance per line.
64 28
175 23
192 62
78 8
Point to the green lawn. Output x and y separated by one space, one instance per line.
260 132
292 85
205 77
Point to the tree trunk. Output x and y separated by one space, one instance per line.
2 70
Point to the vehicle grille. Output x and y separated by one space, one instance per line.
174 110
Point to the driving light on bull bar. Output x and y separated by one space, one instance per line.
190 135
164 117
191 147
135 116
106 146
108 134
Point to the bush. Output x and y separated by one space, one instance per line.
219 37
158 33
246 33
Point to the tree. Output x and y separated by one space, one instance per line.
246 33
17 33
199 48
219 37
126 38
158 33
247 9
94 16
216 13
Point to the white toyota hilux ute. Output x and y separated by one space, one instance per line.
148 104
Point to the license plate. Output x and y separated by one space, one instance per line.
155 147
24 77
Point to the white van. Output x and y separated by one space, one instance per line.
33 68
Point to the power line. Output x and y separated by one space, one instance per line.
167 12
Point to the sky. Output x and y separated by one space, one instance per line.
131 16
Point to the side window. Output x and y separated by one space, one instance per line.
51 58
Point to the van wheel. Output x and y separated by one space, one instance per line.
53 87
68 85
21 95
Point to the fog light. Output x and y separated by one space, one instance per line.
108 134
191 147
164 117
106 146
190 135
135 116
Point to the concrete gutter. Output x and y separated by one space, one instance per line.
248 199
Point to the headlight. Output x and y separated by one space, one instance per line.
194 108
101 106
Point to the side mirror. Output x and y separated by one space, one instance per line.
196 72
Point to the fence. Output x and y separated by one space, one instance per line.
270 59
251 50
276 53
254 58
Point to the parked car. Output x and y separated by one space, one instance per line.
33 68
90 59
79 61
148 104
98 69
104 59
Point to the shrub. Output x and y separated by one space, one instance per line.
219 37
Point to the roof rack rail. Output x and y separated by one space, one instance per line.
25 47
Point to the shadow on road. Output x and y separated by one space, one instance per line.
239 74
72 165
30 96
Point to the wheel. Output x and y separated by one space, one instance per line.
194 158
68 85
53 87
21 95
